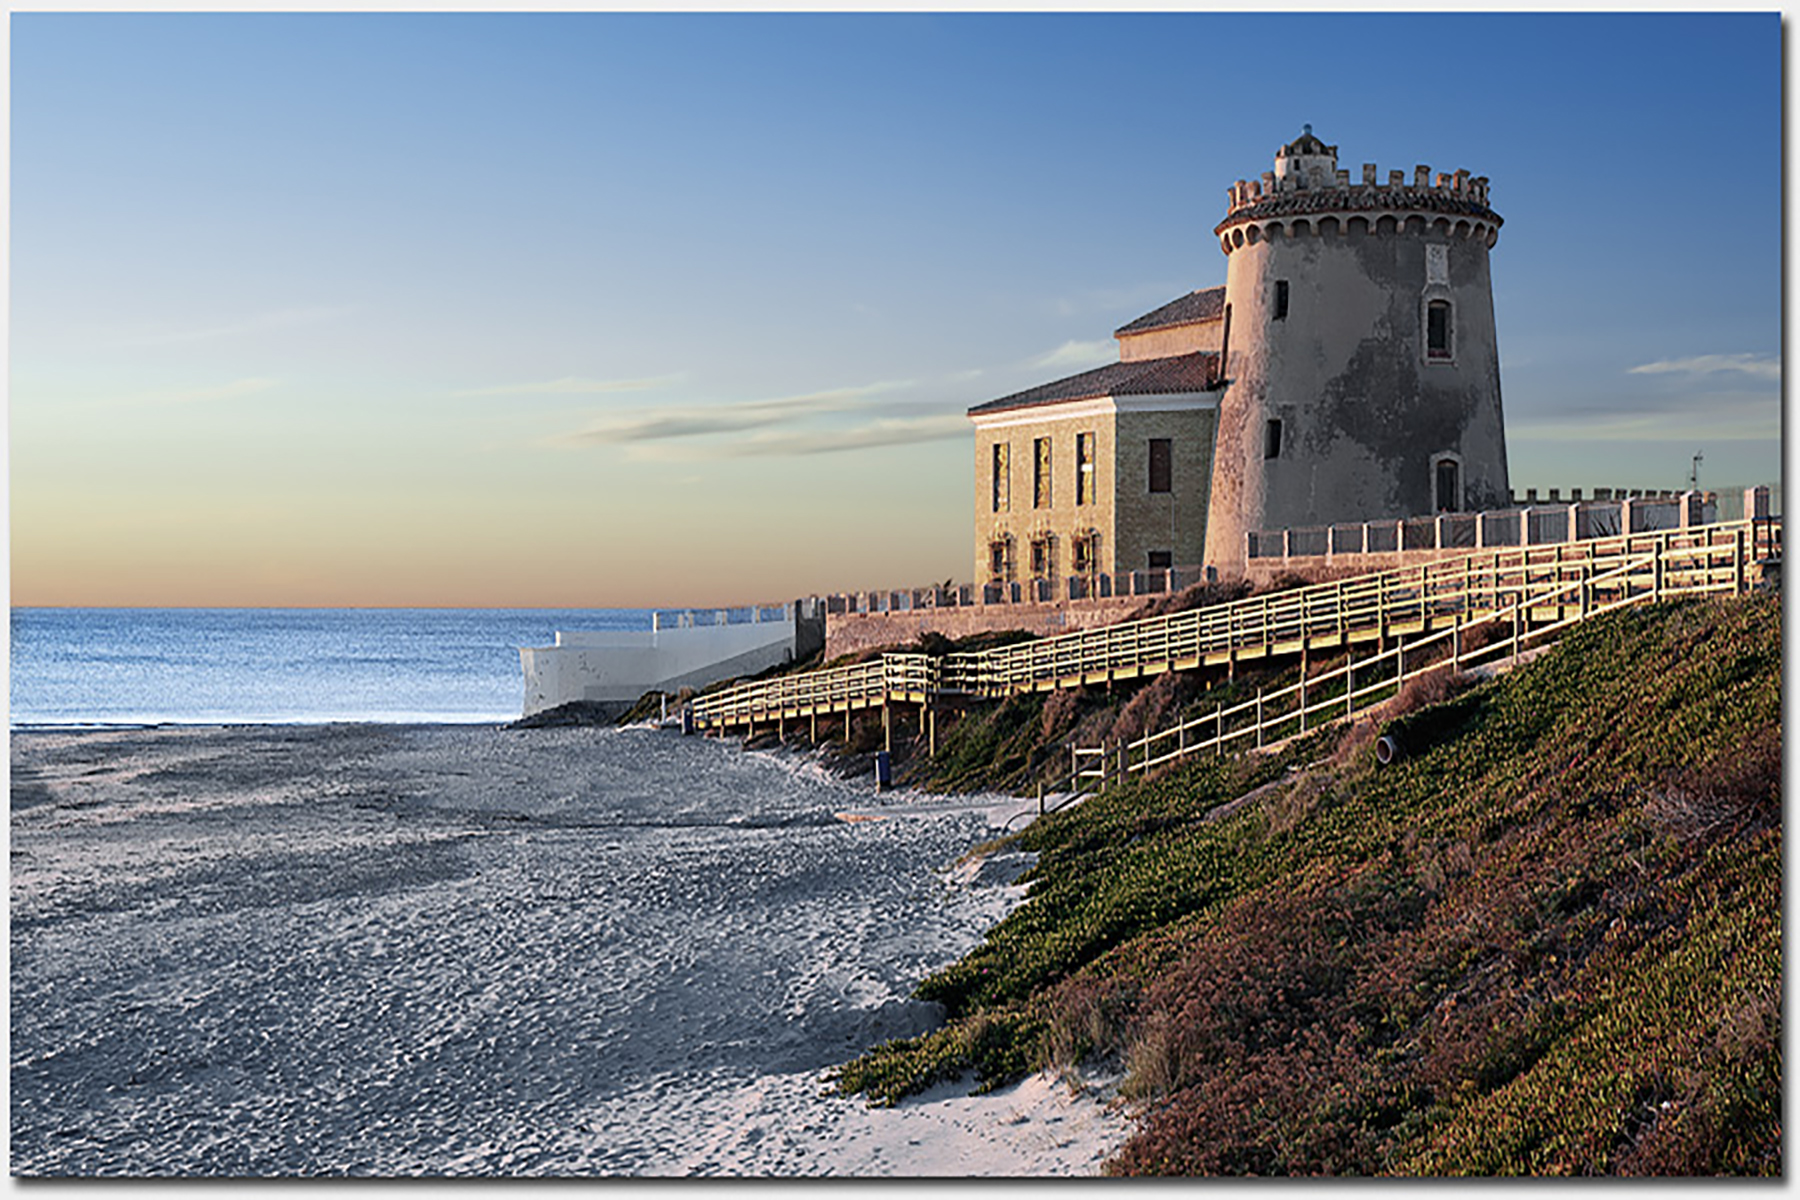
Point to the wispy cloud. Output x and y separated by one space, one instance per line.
692 421
1078 355
1760 366
285 318
572 386
886 431
890 431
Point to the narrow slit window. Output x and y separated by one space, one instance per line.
1084 468
1437 329
1281 299
1272 438
1162 464
1002 477
1040 473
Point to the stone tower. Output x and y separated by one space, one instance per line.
1362 376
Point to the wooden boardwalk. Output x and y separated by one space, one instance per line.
1536 590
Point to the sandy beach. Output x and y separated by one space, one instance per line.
398 950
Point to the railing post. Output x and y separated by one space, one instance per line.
1656 569
1738 574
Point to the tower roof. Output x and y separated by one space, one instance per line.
1306 143
1175 375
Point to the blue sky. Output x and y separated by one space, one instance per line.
622 309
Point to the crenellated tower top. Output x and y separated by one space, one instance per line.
1307 193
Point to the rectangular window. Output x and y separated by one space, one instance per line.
1161 560
1043 557
1002 476
1272 438
1040 473
1281 299
1000 560
1437 329
1083 549
1084 468
1162 465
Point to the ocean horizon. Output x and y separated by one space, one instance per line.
102 667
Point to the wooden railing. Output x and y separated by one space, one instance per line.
1545 585
1549 601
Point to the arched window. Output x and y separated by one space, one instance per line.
1446 484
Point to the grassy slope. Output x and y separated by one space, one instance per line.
1548 941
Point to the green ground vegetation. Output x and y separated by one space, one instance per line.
1546 941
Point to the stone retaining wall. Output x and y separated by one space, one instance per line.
846 633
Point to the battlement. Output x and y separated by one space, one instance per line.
1422 192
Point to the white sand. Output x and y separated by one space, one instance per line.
460 951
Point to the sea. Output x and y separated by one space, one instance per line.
286 899
153 666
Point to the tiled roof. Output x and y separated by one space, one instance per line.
1197 372
1205 305
1359 199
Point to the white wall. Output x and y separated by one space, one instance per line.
616 667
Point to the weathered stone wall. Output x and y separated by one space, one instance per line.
852 632
848 633
1175 520
1364 411
1063 518
1164 343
